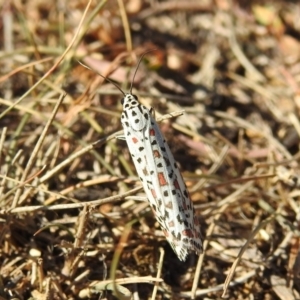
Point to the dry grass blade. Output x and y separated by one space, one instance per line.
245 124
125 25
35 151
222 207
243 249
21 184
159 270
15 71
120 294
280 288
72 205
53 67
108 285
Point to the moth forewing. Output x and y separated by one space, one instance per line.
161 179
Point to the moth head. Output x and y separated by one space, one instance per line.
129 101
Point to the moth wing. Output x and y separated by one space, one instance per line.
162 181
181 226
190 233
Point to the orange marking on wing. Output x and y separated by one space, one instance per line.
135 140
176 184
152 132
156 153
162 179
187 232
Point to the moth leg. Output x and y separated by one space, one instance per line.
121 137
152 112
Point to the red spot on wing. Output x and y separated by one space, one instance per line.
187 232
162 179
176 184
152 132
156 153
135 140
153 193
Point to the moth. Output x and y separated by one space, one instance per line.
161 178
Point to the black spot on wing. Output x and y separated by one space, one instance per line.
167 161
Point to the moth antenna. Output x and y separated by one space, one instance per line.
105 78
139 62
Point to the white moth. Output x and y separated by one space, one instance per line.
161 179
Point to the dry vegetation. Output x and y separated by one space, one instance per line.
73 225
